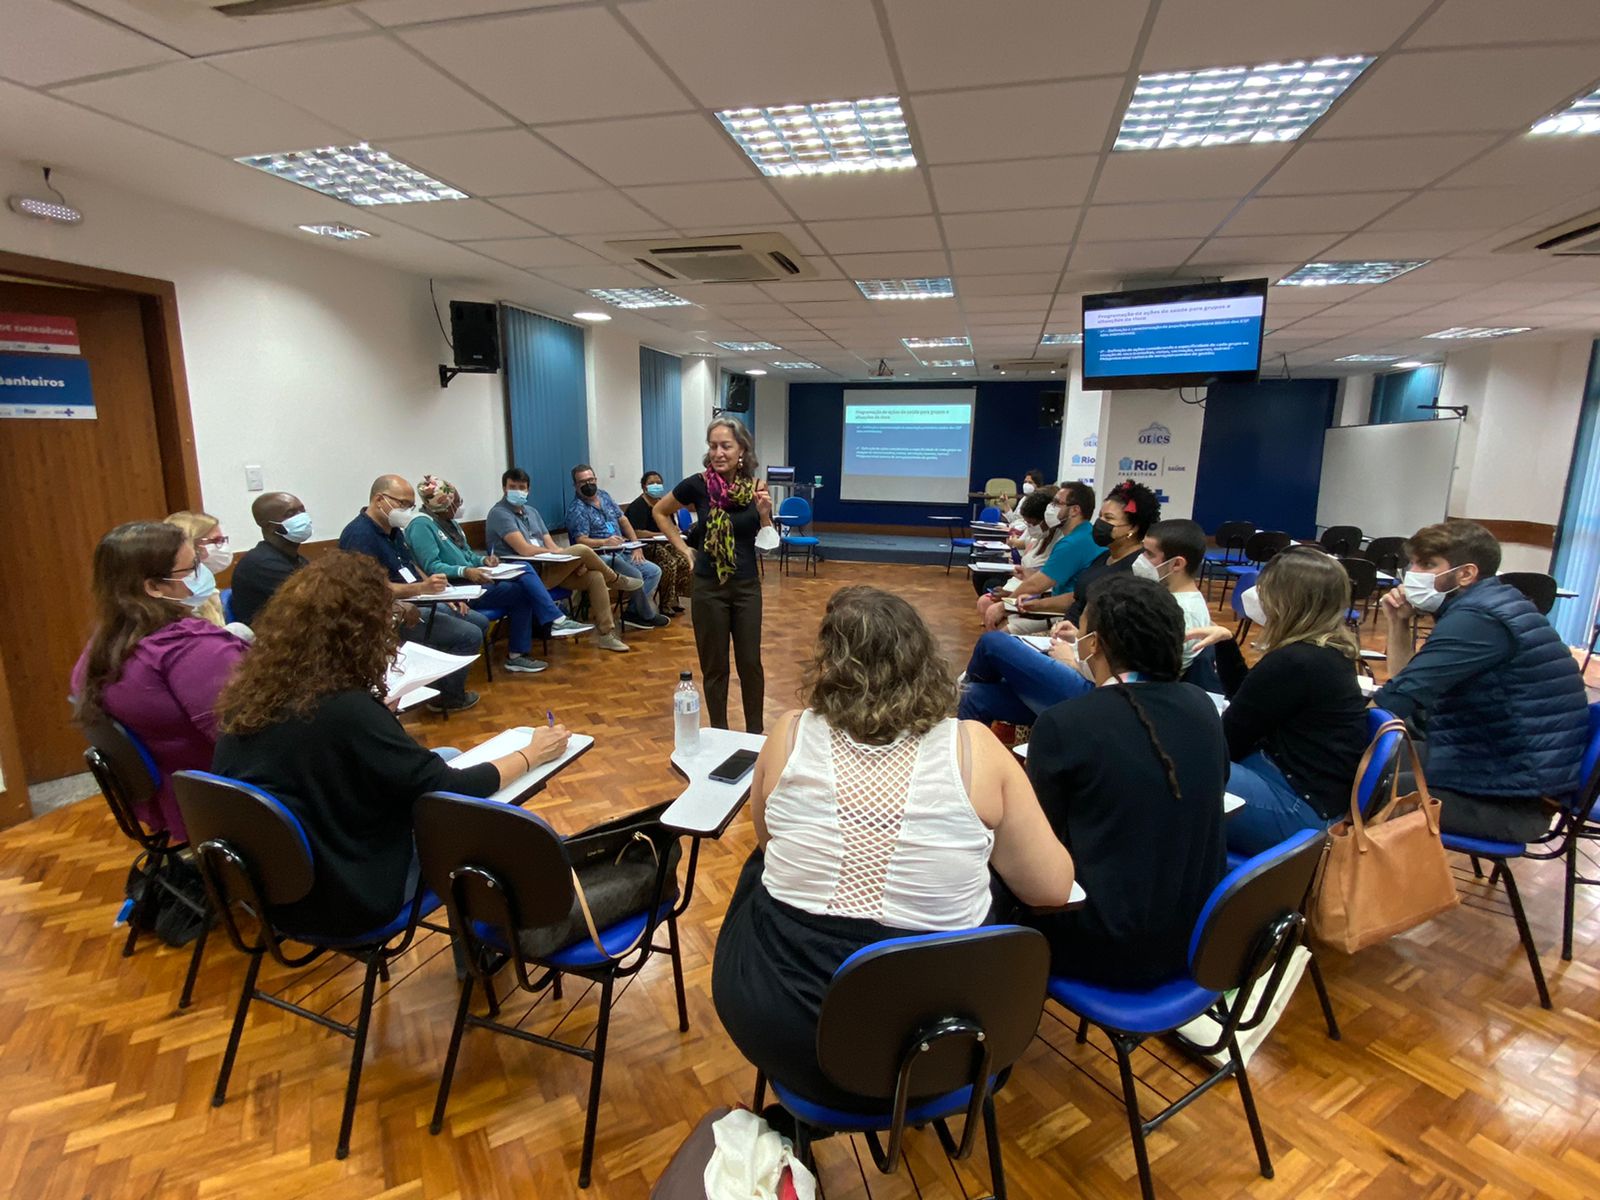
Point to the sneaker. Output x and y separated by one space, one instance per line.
628 583
528 666
610 641
441 705
567 627
655 622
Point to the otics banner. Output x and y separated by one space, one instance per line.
1152 438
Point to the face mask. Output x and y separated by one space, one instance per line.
588 489
399 518
1085 656
1027 489
296 528
654 490
1104 533
1052 517
219 557
1251 603
517 499
202 585
1422 590
1145 569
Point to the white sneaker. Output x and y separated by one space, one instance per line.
566 627
610 641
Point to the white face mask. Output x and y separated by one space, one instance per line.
1251 603
1145 569
1422 590
1027 489
1084 657
219 557
1052 516
767 538
399 518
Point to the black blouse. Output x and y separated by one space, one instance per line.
691 493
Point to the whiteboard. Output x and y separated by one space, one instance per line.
1390 480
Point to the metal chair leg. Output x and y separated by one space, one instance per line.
1322 998
1247 1098
194 968
221 1092
677 974
592 1116
450 1056
353 1083
1130 1101
991 1136
1477 867
1525 934
760 1100
1569 894
1083 1030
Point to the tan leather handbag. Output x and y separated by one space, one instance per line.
1387 873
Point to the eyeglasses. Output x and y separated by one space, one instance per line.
397 500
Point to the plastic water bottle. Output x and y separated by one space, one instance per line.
686 715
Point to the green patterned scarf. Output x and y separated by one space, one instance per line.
718 542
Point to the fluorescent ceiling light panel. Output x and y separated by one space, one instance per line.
907 289
948 362
826 138
934 343
1061 339
1225 106
756 371
355 174
797 366
1368 358
645 297
592 316
345 233
747 347
1331 274
1475 331
1582 116
1407 366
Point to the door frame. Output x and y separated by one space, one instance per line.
180 464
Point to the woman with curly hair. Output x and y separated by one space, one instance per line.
151 663
876 813
733 507
304 719
1131 776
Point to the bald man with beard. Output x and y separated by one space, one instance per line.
378 531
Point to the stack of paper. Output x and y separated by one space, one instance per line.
506 570
459 591
989 568
510 742
1038 641
416 666
993 546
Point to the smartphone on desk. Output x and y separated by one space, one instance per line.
735 767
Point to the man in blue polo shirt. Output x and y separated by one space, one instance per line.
378 532
594 520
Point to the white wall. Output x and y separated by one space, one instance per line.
700 380
1354 403
1080 430
1523 401
300 357
772 421
616 425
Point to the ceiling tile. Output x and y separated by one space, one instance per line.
1299 248
1412 244
411 12
583 278
561 65
982 304
604 210
197 104
1036 120
504 162
1449 91
1118 222
1027 227
1462 208
598 242
1341 213
1142 255
1006 261
734 53
458 220
952 43
195 29
537 252
739 201
861 237
1320 165
1474 270
681 149
841 197
1258 31
793 291
46 42
1024 183
904 264
369 85
1554 166
1193 174
1488 22
1007 285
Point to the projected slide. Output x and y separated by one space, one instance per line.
907 445
1189 337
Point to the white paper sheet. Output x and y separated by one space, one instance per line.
510 742
506 570
461 591
416 666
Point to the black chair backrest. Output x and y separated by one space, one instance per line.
1226 947
234 825
1264 543
1232 535
885 998
1541 589
1363 574
492 863
1388 554
1341 540
126 773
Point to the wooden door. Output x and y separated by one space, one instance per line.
67 483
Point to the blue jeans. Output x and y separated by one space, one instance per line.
525 603
1008 680
1273 811
643 604
454 634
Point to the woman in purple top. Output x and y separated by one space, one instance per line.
151 664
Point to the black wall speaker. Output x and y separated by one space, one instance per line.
1051 406
475 331
740 393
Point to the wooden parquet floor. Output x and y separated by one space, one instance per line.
1450 1080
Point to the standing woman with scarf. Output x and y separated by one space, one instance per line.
732 507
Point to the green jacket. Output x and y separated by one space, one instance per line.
435 553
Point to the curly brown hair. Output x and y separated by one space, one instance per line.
329 628
876 672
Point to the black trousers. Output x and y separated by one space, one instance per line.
722 611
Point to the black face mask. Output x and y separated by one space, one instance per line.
588 489
1103 533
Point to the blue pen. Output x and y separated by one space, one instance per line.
551 717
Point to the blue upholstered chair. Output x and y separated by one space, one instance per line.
793 515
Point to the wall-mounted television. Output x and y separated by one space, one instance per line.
1178 336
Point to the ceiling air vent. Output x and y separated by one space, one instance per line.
1033 366
1577 237
736 258
261 8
